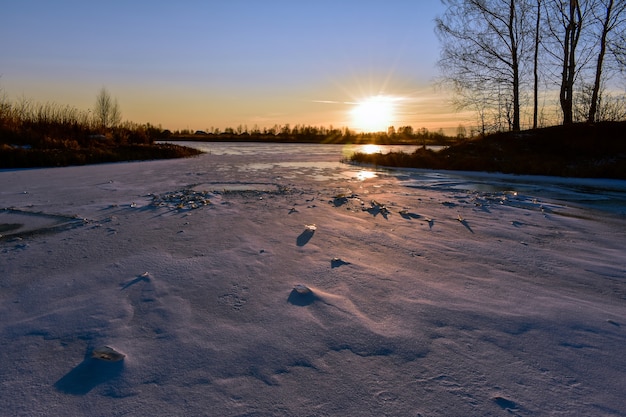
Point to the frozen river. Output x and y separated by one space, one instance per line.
429 293
326 161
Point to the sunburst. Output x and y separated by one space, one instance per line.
374 114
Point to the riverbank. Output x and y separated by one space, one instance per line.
24 156
581 150
51 135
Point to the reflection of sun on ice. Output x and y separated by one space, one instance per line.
365 175
374 114
370 149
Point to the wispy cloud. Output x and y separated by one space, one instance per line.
333 102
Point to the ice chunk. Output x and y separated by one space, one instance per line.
107 353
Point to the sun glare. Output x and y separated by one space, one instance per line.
374 114
370 149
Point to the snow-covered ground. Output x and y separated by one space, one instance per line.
428 298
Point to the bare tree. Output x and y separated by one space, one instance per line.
618 49
483 47
612 19
571 44
572 23
106 111
492 49
536 48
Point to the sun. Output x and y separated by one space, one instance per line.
374 114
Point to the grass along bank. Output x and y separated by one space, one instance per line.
45 135
577 150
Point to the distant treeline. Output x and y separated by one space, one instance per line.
314 134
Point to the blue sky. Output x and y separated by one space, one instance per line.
203 64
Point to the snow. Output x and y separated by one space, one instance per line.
426 299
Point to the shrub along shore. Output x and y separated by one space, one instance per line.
578 150
48 135
27 157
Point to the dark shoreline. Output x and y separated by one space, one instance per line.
578 150
25 157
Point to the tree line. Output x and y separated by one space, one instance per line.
319 134
503 57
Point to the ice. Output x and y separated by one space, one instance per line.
424 298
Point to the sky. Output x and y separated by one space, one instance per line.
205 65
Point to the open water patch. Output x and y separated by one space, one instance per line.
20 223
606 195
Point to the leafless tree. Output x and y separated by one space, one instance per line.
536 49
618 49
584 37
570 43
484 44
610 18
492 50
609 107
106 111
